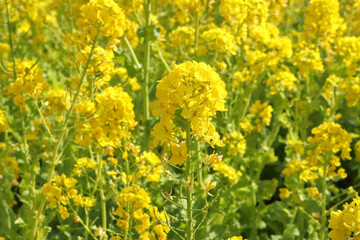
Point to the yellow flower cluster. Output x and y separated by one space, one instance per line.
218 165
101 64
349 47
3 122
308 59
345 224
102 17
182 37
198 92
122 73
112 122
137 201
330 138
149 166
58 100
82 164
282 79
61 190
219 39
29 81
261 111
331 82
351 87
235 143
284 193
322 19
238 12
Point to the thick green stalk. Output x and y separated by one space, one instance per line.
145 87
189 176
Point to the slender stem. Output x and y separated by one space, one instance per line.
10 39
323 232
56 154
197 21
189 176
102 196
145 87
132 53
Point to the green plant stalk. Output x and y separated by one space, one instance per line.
57 146
323 232
102 196
197 23
145 87
10 39
132 53
189 176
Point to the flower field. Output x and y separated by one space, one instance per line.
179 120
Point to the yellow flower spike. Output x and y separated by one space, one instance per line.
177 91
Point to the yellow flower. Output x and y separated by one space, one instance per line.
3 123
63 212
345 223
208 185
220 39
284 193
313 192
4 50
198 92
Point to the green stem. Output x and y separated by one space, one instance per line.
132 53
102 196
145 87
10 39
189 176
323 232
54 159
197 21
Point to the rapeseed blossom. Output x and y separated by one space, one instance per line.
198 92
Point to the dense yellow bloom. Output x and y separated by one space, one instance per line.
235 143
144 214
149 166
280 81
345 223
308 59
228 171
114 119
220 39
82 164
238 12
349 47
322 19
58 100
104 15
101 64
3 122
262 111
351 87
29 81
329 137
182 37
198 92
